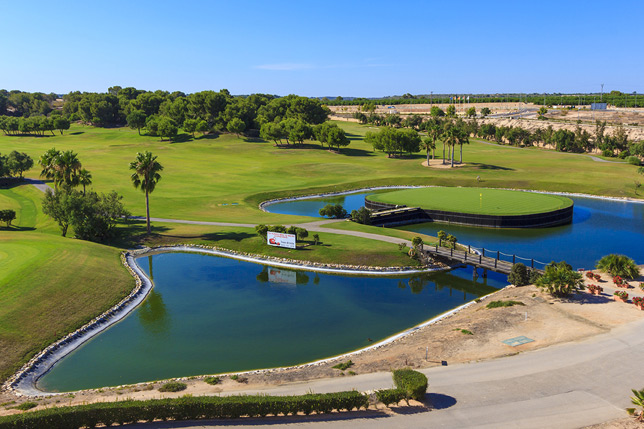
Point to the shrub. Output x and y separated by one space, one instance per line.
560 280
390 396
316 239
519 275
499 304
633 160
173 386
412 383
343 365
638 301
362 215
184 408
212 380
26 406
618 265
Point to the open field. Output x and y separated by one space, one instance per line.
475 200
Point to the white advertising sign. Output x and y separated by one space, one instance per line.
280 240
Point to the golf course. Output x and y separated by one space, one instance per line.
51 285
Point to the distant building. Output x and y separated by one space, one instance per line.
598 106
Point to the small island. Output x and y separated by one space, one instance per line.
482 207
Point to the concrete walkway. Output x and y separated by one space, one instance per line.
566 386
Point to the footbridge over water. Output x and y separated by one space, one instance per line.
484 258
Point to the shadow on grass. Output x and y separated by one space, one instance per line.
76 133
17 228
13 182
348 151
490 166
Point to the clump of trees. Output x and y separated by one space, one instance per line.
334 211
362 215
92 216
34 125
393 141
15 164
300 233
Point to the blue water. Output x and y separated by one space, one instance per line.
208 314
599 227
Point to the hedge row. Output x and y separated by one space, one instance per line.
412 383
390 396
186 408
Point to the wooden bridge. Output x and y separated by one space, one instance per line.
483 258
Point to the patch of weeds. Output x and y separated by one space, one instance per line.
499 304
212 380
477 300
149 387
464 331
71 396
343 365
352 373
238 378
4 404
173 386
25 406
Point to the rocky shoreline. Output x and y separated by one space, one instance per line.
23 382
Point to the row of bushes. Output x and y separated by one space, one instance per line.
185 408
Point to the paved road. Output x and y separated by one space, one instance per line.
567 386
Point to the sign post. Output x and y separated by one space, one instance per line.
279 239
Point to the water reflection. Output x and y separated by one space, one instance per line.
153 314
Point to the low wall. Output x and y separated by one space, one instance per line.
537 220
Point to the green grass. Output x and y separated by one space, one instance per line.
203 174
475 200
50 285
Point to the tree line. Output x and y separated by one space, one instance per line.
614 98
34 125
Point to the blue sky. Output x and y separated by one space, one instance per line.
348 48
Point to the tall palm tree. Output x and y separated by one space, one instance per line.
428 144
48 162
146 176
451 139
68 166
462 139
84 178
434 132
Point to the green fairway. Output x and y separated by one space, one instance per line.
223 178
475 200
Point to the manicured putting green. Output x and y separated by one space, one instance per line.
475 200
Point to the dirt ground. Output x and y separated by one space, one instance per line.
473 334
631 118
438 163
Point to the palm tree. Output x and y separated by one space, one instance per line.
434 132
48 161
84 178
67 166
450 138
428 144
637 400
462 138
146 176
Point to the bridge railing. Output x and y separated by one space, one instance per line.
481 254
